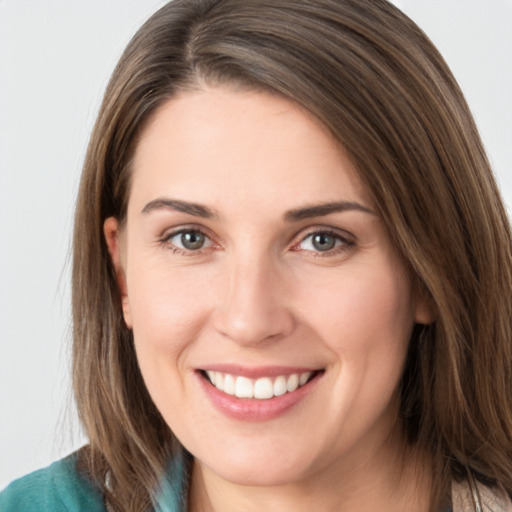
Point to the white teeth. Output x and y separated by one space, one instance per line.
229 384
280 386
260 389
293 382
219 381
263 388
244 388
304 377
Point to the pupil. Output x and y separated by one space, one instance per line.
192 240
323 242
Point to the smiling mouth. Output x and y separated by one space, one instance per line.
263 388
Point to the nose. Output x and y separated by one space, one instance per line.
254 304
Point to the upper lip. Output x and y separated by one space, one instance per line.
255 372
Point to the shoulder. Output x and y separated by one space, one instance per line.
58 488
491 499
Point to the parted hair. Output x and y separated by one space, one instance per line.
373 78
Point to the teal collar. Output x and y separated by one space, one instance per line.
173 490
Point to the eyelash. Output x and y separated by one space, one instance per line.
166 240
345 245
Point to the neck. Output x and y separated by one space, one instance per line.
390 481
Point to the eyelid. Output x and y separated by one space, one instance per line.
348 240
340 233
171 233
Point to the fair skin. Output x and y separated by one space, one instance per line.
225 267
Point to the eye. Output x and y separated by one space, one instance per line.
326 242
188 240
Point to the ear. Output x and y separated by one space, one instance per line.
425 310
112 234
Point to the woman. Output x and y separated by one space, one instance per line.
291 281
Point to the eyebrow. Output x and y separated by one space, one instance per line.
325 209
195 209
297 214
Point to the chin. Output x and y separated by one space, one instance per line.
259 475
259 466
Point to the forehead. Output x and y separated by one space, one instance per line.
208 144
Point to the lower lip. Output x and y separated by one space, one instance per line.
250 409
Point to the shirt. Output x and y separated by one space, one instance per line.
62 488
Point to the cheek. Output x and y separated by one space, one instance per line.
365 316
167 312
366 323
168 316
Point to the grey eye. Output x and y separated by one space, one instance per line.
192 240
323 242
188 240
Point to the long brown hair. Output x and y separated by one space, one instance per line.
376 81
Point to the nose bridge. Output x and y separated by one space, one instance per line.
253 307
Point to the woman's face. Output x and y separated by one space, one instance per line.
253 256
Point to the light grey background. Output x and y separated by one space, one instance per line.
55 59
